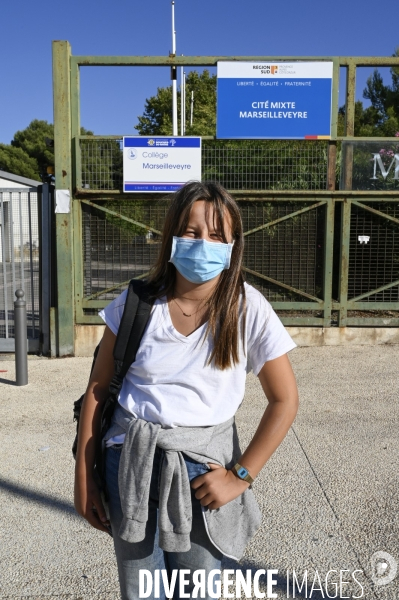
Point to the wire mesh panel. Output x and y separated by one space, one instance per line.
237 165
115 250
102 164
266 165
19 259
290 252
374 252
370 166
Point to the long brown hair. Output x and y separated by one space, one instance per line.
224 305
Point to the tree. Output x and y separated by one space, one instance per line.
204 115
157 116
382 117
16 161
32 141
31 151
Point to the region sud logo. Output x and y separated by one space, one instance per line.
267 69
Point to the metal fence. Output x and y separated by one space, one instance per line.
243 165
19 262
288 244
291 252
321 260
374 263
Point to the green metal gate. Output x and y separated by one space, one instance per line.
304 207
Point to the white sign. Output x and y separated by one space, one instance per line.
62 201
363 239
160 164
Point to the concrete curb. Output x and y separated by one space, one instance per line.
88 336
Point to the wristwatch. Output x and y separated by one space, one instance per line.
242 473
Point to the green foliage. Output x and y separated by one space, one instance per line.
157 116
31 151
16 161
32 141
381 119
204 113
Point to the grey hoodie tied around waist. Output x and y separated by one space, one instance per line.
229 528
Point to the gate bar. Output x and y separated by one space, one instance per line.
344 264
45 229
211 61
3 252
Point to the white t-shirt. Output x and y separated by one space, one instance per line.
170 382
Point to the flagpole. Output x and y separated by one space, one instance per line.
181 101
184 103
174 82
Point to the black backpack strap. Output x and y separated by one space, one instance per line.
133 323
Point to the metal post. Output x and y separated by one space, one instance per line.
21 340
45 232
349 125
181 101
328 260
32 287
174 82
4 261
63 181
331 165
6 230
344 263
184 103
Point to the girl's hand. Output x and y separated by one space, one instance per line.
218 487
88 503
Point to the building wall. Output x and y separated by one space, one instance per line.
6 183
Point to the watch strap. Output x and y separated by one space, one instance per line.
242 473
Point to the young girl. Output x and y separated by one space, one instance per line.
178 485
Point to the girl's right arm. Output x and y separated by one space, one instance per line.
87 496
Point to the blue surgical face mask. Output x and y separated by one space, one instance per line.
200 260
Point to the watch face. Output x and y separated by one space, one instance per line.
242 472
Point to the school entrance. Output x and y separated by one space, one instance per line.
321 216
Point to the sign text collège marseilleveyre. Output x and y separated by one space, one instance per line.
160 164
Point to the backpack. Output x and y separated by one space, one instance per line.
131 329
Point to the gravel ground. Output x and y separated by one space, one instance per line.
329 495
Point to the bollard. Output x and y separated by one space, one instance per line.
21 342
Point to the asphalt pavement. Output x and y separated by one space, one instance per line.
329 495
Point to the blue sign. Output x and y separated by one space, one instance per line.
274 101
161 142
160 164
